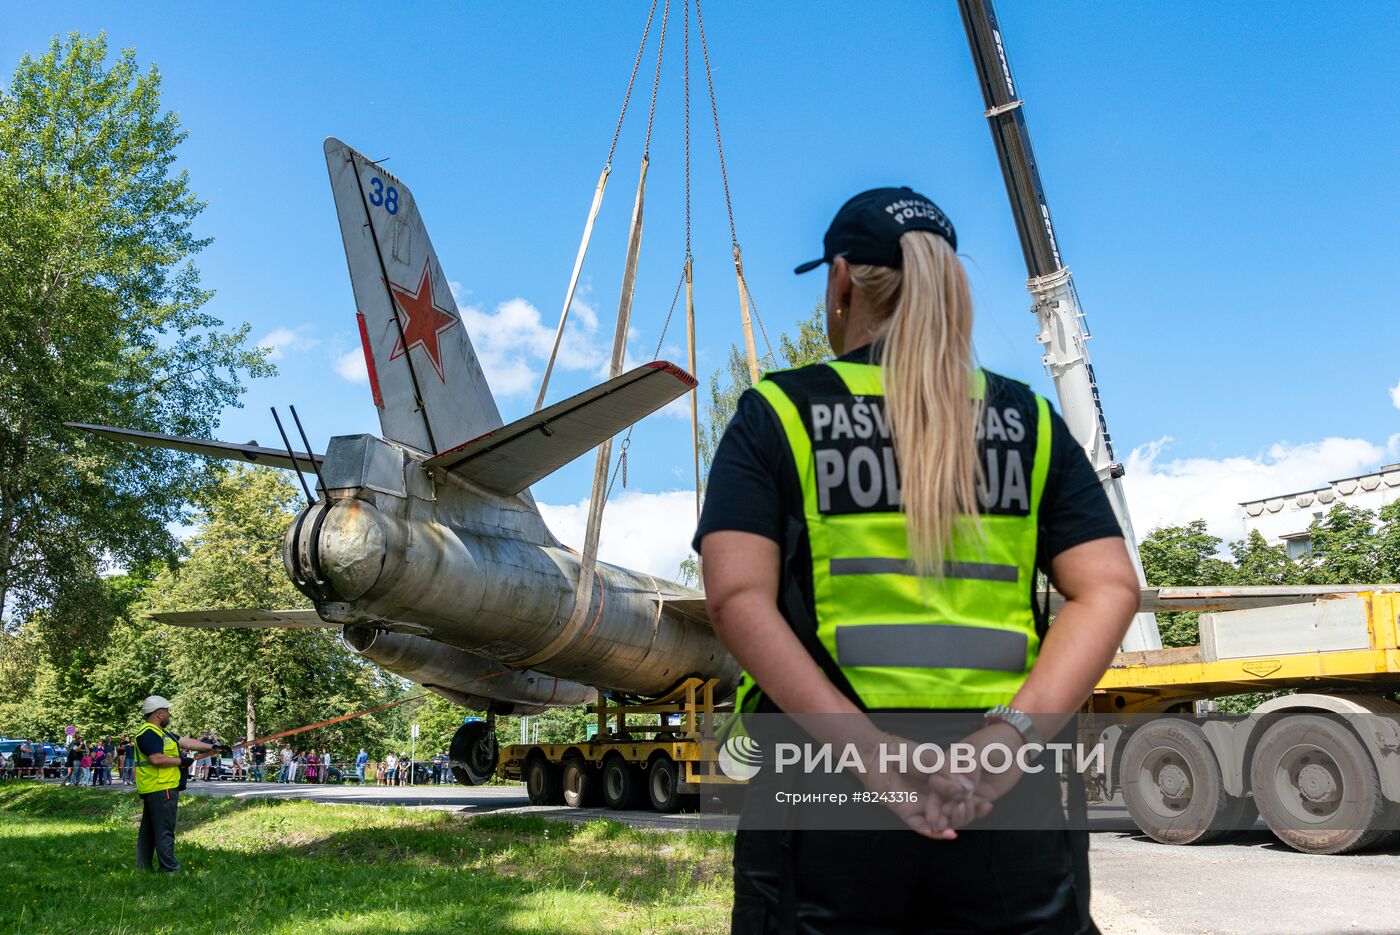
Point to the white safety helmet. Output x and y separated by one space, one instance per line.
153 703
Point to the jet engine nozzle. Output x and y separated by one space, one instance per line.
335 550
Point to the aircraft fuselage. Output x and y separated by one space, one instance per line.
392 547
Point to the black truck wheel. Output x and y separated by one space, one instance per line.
473 755
542 781
581 783
622 786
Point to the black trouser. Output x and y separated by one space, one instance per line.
157 834
1016 882
1013 882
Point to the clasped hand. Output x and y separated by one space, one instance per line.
936 804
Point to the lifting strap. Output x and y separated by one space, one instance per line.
593 211
744 299
694 392
326 723
583 595
573 281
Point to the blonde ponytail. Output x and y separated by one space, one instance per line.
928 369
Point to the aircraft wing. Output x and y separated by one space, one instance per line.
511 458
692 607
230 451
1167 600
1164 600
243 619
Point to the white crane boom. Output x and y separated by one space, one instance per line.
1063 331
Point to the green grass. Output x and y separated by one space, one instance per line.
67 864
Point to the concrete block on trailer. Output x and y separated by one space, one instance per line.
1322 626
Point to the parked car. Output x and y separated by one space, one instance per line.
8 748
55 762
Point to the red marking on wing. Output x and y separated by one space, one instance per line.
369 361
678 372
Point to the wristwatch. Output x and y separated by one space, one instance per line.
1018 719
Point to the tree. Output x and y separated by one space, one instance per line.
729 382
1344 548
100 321
1388 554
1257 562
242 682
811 344
1182 556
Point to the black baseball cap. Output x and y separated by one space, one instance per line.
867 229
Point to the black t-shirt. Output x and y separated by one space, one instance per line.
753 485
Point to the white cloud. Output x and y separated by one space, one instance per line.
513 343
1165 492
1395 394
678 408
351 366
648 532
281 341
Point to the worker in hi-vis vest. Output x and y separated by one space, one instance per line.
870 539
160 778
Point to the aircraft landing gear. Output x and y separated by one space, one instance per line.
473 755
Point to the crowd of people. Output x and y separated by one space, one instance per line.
77 763
103 762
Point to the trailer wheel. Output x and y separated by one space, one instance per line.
580 782
622 786
1317 786
542 781
663 787
663 784
1173 786
473 754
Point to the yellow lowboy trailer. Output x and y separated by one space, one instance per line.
664 762
1319 758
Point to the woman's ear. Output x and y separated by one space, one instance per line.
839 285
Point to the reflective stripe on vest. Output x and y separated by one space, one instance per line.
967 641
156 778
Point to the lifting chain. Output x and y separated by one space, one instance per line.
656 354
630 81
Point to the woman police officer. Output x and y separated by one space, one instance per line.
876 523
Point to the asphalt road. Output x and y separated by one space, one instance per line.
1252 885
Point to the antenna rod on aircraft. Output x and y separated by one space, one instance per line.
292 454
314 466
1062 328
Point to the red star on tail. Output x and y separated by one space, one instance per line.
423 321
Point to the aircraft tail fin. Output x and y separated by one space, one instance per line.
423 373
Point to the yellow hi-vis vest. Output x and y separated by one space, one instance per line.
901 641
156 778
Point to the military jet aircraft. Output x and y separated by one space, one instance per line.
424 544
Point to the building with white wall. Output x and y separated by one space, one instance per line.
1285 519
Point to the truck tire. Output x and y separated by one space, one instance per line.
542 781
580 782
473 754
1317 786
1173 785
622 783
663 785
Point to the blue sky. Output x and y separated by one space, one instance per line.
1222 177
